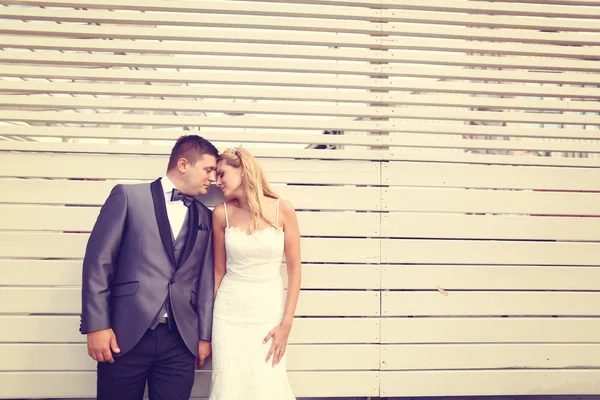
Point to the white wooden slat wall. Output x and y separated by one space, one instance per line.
450 230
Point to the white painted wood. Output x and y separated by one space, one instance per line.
436 226
215 63
160 150
305 10
94 193
218 45
470 330
438 110
405 29
491 176
514 303
68 301
163 18
83 384
72 245
68 273
516 311
416 199
82 219
490 277
65 329
74 357
488 159
401 72
147 168
490 382
489 252
488 356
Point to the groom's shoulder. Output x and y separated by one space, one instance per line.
134 187
202 208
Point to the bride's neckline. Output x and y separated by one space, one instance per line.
268 228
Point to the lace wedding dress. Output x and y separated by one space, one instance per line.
250 302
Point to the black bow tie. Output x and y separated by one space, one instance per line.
176 195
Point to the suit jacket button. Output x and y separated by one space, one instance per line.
172 281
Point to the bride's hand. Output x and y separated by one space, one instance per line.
279 334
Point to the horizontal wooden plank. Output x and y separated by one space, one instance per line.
568 136
215 7
489 356
74 357
314 124
414 199
438 104
490 176
449 226
68 301
261 64
488 252
489 277
287 96
404 155
189 106
494 35
490 330
83 384
262 136
72 246
199 33
216 20
94 193
474 145
492 382
250 35
152 167
65 329
270 79
219 44
259 92
209 62
254 112
555 160
328 11
82 219
68 273
188 19
321 96
245 92
461 303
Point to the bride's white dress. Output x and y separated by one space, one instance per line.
250 302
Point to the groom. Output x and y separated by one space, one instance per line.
147 295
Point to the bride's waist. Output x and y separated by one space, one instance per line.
240 277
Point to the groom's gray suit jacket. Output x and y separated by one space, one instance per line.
132 265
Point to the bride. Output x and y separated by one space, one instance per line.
253 315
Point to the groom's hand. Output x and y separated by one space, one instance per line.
204 350
100 343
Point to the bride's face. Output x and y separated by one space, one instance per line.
229 180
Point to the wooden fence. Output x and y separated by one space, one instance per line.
442 156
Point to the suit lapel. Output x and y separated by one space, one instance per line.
192 234
160 209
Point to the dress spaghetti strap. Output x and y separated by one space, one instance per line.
226 217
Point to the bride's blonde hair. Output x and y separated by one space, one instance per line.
254 183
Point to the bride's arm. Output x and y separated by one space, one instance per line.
220 257
292 260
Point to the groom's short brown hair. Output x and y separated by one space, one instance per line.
191 147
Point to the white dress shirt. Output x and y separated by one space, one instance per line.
176 210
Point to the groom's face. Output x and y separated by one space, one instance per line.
200 175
